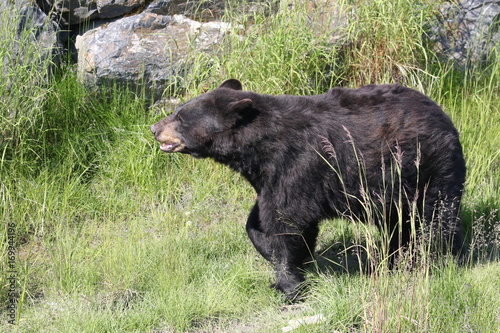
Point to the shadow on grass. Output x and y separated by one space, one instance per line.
337 257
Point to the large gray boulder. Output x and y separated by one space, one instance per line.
147 51
467 31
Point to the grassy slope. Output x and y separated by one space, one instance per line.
114 236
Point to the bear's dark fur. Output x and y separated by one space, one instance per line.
315 157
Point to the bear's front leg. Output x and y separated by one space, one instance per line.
258 237
290 248
283 244
285 251
289 253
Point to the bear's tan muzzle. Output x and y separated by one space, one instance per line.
168 137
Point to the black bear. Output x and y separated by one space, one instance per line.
316 157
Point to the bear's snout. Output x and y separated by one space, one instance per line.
166 134
153 129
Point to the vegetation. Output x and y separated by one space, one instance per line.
100 232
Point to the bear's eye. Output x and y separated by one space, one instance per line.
179 118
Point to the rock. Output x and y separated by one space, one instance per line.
204 11
117 8
466 32
163 7
145 51
69 12
296 323
201 10
37 37
75 12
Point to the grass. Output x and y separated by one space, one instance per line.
110 235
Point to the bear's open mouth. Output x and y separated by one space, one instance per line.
168 147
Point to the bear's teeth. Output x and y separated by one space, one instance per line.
168 146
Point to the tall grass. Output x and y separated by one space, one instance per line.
23 89
113 236
474 106
387 43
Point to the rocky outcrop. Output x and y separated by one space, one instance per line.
467 32
145 44
74 12
145 51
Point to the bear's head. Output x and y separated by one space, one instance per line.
196 124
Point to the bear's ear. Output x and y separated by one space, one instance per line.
241 106
231 84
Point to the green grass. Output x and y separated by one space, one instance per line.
111 235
